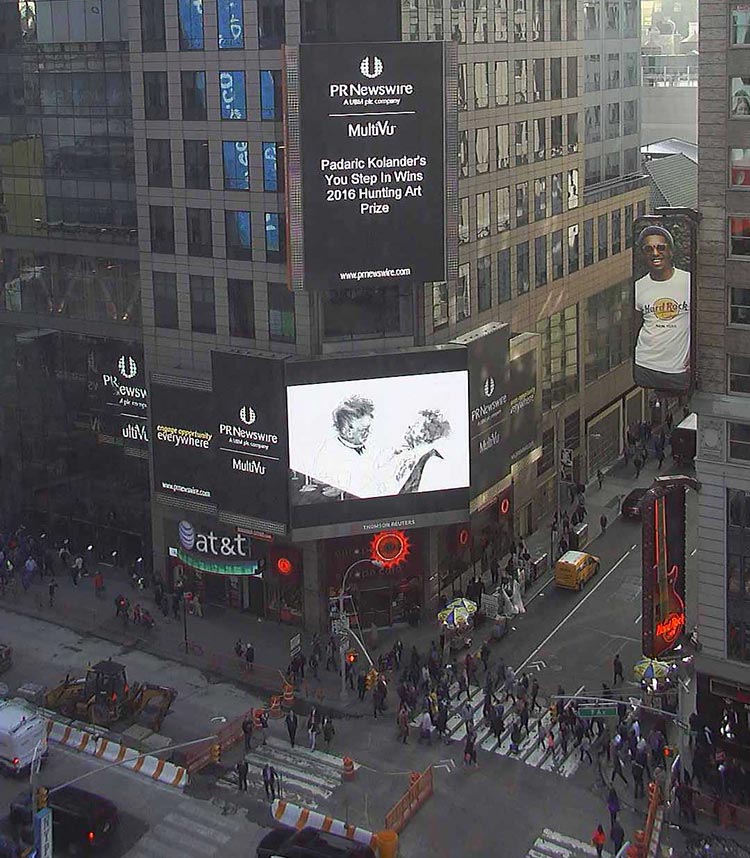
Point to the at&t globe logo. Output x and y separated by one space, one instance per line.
371 67
489 386
127 366
186 533
247 415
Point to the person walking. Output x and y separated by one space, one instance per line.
599 477
470 750
598 839
361 684
313 728
270 781
402 720
638 465
617 670
603 523
534 694
242 769
292 722
617 836
617 767
484 654
52 589
329 731
585 748
613 804
637 771
249 656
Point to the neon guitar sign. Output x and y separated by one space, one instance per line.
668 607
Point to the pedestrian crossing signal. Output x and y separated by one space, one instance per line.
215 753
371 679
351 656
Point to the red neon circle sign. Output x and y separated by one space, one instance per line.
463 536
284 566
504 506
390 547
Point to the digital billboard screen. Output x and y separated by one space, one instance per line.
182 441
663 267
250 424
524 406
378 436
117 381
372 140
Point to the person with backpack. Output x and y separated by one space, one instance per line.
329 731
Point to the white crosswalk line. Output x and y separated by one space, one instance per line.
171 834
552 848
206 811
572 842
184 823
553 844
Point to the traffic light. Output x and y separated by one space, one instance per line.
216 753
42 795
669 753
371 678
351 656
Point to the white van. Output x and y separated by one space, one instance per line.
23 736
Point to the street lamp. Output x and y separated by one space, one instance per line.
342 648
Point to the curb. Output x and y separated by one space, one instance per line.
85 742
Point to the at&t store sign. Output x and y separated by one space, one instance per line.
210 552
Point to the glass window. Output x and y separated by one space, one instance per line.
632 68
591 18
458 21
557 193
630 117
540 261
233 95
739 306
503 276
588 242
273 167
592 121
519 21
501 20
503 209
611 165
463 293
463 153
281 321
557 254
236 166
202 304
241 308
197 173
159 163
501 83
739 105
463 97
593 171
613 18
165 299
153 30
739 236
522 204
572 77
616 231
602 228
640 208
540 139
739 441
556 136
190 13
199 232
193 91
522 143
275 229
484 283
537 20
483 214
555 20
739 374
540 198
572 189
271 101
572 133
435 23
463 220
592 69
555 75
559 356
537 74
503 147
439 305
162 229
628 227
155 95
271 23
480 21
571 20
230 24
482 149
573 248
608 336
522 268
739 168
520 82
740 31
239 241
632 16
632 161
481 85
547 460
613 71
410 21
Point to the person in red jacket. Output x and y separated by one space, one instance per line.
599 838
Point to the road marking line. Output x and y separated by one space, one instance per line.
571 612
571 841
182 821
553 848
637 619
174 834
197 808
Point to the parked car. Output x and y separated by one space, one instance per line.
81 821
23 736
631 504
309 843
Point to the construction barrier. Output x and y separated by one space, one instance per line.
420 789
723 812
275 710
348 771
287 696
387 844
293 816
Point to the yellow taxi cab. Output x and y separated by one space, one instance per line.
574 569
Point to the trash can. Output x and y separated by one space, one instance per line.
579 537
539 565
387 844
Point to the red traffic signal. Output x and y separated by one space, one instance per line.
351 656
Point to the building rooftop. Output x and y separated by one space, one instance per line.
670 146
674 181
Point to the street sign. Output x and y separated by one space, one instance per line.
43 833
295 645
606 711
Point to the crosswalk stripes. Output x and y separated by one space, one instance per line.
193 830
307 777
531 751
553 844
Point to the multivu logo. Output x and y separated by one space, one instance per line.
371 67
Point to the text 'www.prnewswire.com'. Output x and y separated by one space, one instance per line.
367 275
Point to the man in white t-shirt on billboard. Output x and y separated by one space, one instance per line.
663 298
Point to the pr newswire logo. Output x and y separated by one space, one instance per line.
371 67
127 366
247 415
489 386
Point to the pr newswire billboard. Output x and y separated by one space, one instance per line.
373 166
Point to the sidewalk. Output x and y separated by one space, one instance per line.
212 637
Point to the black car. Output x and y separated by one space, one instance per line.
81 820
309 843
631 504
